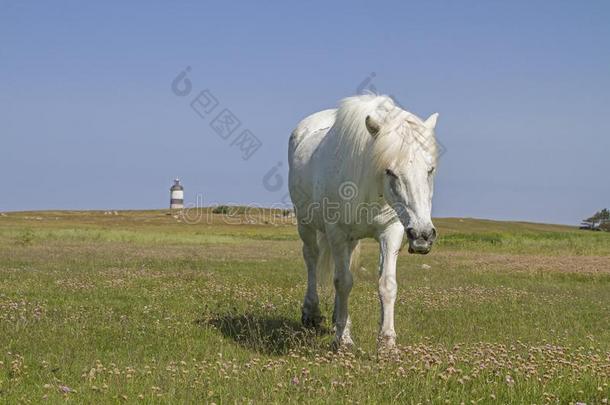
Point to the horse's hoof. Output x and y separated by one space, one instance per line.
343 343
386 347
311 320
386 342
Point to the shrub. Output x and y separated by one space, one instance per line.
221 209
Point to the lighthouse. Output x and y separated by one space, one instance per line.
176 195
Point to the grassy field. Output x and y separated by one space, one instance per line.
144 307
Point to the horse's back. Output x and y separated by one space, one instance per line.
315 123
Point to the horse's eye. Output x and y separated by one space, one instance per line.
431 170
391 173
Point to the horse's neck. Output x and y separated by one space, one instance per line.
369 187
350 169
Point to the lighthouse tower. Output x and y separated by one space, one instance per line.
176 195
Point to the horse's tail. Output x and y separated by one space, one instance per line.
325 266
355 261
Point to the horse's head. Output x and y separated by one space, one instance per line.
405 151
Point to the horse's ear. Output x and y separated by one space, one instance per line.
431 121
372 126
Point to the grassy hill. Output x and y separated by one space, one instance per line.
146 306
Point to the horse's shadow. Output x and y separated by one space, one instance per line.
263 333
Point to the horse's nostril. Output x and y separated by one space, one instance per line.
411 233
433 237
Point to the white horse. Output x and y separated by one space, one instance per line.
363 170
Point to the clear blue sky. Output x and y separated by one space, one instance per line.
88 119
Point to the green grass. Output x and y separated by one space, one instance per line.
142 307
530 242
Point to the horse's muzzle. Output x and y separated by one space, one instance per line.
421 242
422 250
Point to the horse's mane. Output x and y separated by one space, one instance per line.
366 156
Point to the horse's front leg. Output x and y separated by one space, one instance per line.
390 241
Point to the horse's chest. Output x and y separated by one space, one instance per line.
369 226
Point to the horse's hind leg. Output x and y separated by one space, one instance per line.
310 313
342 251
